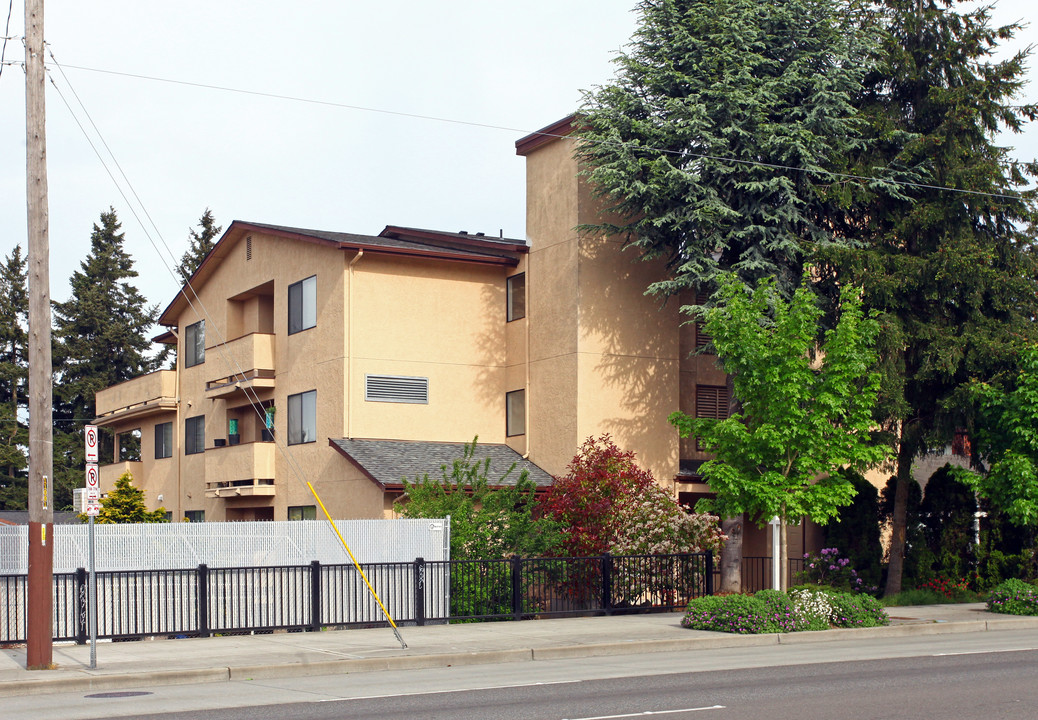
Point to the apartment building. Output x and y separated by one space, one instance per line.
354 361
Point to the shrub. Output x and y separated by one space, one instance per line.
829 569
914 597
948 589
778 612
742 614
811 608
851 610
1014 597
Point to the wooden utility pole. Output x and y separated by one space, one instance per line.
39 626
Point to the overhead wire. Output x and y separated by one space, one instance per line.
237 373
490 126
7 29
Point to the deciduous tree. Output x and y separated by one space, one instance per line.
806 410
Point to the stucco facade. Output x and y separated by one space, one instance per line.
584 352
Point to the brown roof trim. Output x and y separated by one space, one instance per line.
551 133
166 338
454 256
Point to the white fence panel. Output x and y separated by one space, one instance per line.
187 545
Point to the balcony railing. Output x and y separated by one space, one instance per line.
240 470
243 363
142 396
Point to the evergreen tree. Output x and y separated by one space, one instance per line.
14 379
125 504
952 274
101 336
712 144
201 242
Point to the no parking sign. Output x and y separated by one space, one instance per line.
90 432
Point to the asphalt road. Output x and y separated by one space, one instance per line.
955 677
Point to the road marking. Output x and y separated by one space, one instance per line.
984 652
649 712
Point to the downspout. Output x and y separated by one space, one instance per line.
526 415
349 348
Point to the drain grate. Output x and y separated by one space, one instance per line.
128 693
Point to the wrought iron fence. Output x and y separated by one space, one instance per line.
204 601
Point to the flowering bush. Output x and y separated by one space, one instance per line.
1014 597
951 589
770 611
606 503
829 569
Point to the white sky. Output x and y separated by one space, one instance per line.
519 66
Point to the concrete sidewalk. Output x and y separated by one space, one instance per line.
196 660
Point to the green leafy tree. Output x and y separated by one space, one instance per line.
125 504
806 410
14 376
101 338
201 242
951 274
1007 438
489 520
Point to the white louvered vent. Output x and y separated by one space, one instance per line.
396 388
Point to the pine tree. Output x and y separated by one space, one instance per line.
102 338
201 242
711 145
125 504
14 378
952 274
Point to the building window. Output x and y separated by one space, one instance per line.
195 516
516 297
515 413
163 440
128 445
711 402
194 344
194 435
302 418
396 388
302 305
302 512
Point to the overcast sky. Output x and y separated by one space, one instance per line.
497 70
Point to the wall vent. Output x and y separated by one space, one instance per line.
248 248
396 388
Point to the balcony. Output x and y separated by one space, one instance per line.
248 362
245 470
147 395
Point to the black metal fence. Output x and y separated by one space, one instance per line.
204 601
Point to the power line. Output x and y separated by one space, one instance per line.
7 29
488 126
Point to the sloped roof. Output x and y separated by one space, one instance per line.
389 462
393 240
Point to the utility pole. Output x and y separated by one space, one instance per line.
39 614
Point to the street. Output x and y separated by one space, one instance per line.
976 675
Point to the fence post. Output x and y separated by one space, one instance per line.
202 590
315 596
81 606
419 591
709 585
517 588
607 583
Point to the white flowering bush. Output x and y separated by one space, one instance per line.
811 608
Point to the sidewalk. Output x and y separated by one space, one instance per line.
196 660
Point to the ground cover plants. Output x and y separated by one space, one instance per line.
771 611
1014 597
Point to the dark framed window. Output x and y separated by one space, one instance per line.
194 435
302 512
302 305
195 515
516 297
302 418
515 413
163 440
194 344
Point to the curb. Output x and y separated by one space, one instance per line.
87 681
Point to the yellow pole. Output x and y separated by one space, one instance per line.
357 565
